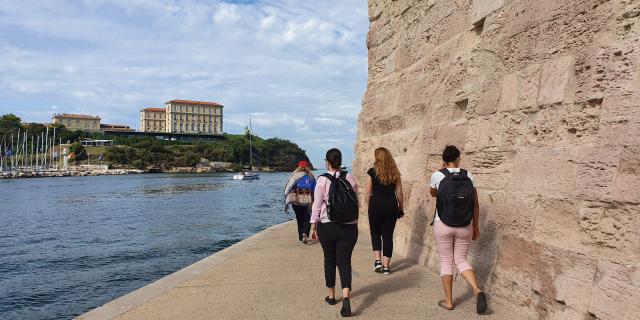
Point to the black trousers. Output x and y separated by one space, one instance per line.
337 242
382 226
303 216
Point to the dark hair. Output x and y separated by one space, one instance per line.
334 156
450 154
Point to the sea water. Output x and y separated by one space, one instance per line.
68 245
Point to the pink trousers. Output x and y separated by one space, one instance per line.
453 245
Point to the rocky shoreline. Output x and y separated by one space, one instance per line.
68 173
112 172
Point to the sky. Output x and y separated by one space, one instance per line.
298 68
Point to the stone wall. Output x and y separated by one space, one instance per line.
543 97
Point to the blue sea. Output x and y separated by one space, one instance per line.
68 245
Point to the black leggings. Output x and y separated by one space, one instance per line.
302 216
382 226
337 242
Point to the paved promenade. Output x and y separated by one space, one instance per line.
272 276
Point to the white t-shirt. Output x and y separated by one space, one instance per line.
437 176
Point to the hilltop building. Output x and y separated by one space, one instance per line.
183 116
77 121
153 120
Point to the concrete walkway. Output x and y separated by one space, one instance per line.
272 276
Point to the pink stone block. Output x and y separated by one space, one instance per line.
556 80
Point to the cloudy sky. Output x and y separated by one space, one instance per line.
298 67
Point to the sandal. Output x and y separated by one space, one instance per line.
331 301
443 304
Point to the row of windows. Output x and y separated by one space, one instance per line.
187 117
193 109
195 128
76 124
152 115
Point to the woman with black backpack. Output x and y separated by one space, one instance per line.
455 225
299 195
384 193
334 219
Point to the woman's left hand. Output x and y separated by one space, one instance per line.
476 233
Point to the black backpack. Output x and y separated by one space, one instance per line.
456 199
342 206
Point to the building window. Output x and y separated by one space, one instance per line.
193 128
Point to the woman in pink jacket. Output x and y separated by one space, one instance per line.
337 239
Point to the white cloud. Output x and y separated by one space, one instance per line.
226 13
290 64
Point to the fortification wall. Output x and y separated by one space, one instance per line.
543 97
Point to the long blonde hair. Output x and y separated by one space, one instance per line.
385 167
306 170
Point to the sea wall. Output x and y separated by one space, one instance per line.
543 98
66 173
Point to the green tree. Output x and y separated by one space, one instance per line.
10 120
78 149
9 124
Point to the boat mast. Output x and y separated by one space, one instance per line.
250 146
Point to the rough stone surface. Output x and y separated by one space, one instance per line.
543 97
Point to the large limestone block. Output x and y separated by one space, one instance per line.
548 173
481 8
520 89
615 294
557 224
598 172
436 138
513 214
556 80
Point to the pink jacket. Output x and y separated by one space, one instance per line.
321 194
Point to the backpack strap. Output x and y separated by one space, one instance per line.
446 173
463 171
328 176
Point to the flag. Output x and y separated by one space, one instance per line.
9 153
101 157
72 155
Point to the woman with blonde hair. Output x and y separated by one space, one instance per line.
384 193
299 195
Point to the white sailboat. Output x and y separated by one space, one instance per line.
248 174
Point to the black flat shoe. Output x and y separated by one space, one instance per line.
331 301
346 308
481 303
